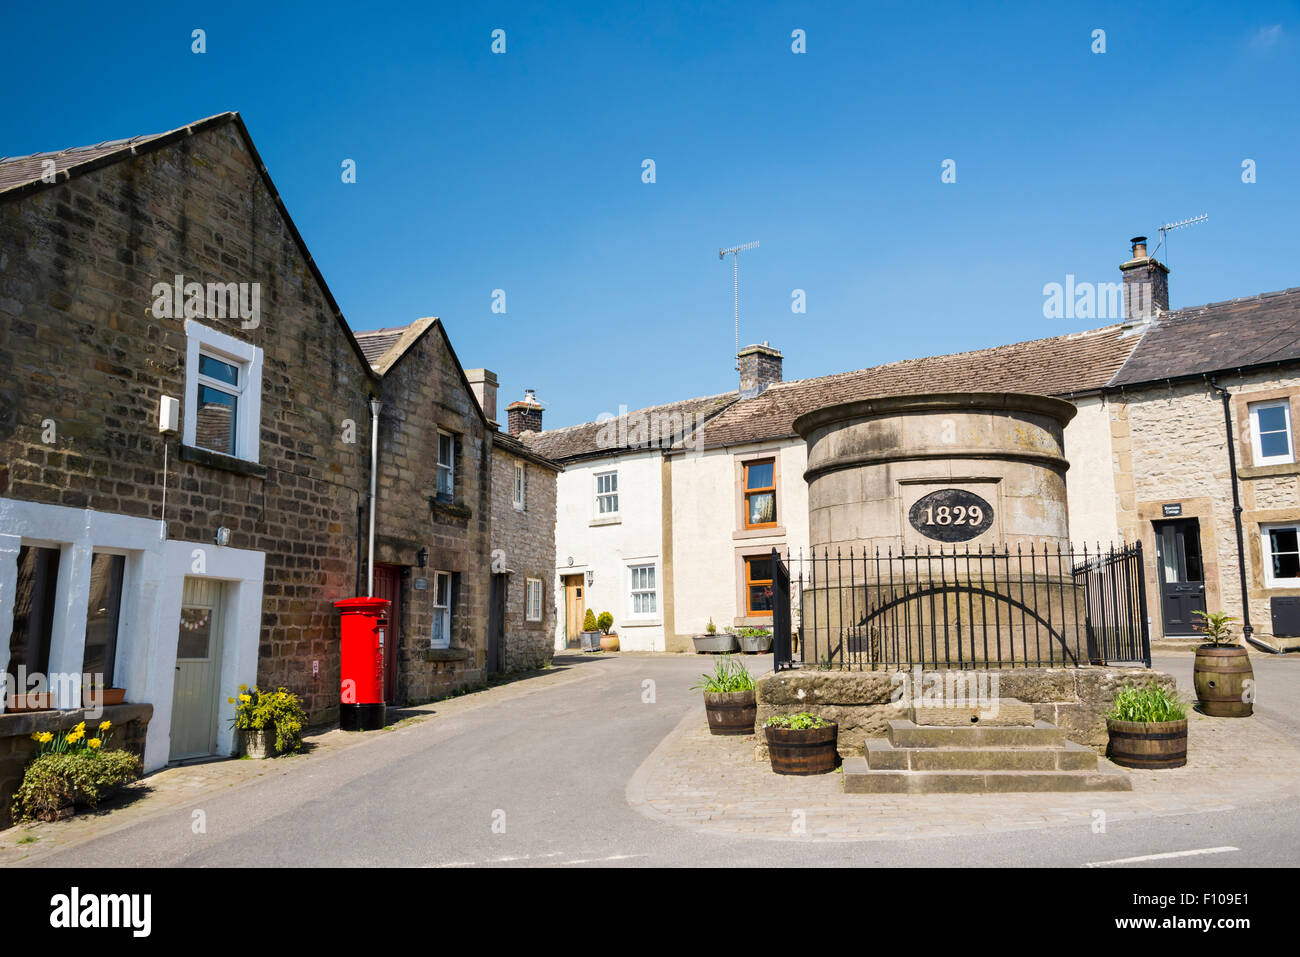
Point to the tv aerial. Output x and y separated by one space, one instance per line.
1170 227
735 252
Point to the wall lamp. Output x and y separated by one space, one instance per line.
591 577
422 557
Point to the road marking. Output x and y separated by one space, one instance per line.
600 860
1164 857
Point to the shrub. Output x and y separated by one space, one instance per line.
1216 626
82 777
589 622
1146 705
711 628
605 622
280 709
802 721
728 675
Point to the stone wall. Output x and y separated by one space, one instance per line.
1074 699
84 355
130 722
524 542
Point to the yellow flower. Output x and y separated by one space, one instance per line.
105 725
80 727
94 743
75 735
45 737
245 698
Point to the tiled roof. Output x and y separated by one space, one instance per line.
1061 365
1218 337
378 341
508 443
585 440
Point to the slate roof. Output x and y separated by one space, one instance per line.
1062 365
1217 337
584 440
20 170
376 342
510 444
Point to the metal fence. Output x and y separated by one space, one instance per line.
982 608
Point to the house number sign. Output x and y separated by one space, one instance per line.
951 515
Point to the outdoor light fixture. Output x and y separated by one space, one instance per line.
591 577
422 557
223 536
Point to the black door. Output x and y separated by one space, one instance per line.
497 624
1182 580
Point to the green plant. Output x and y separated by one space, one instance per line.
1216 626
1146 705
755 632
803 721
589 621
73 741
710 628
728 675
605 622
262 710
84 777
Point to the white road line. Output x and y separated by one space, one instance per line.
1164 857
599 860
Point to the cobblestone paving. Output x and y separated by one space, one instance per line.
714 784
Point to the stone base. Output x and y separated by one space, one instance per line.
1002 713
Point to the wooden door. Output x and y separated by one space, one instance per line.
574 610
388 584
1182 578
198 671
497 624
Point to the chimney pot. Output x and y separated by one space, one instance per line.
1139 247
1146 287
524 415
760 367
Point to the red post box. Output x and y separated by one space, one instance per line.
364 625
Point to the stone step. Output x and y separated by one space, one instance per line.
883 756
908 734
859 779
1001 713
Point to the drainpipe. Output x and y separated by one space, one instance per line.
375 406
1246 629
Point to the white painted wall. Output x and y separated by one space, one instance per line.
607 548
1090 481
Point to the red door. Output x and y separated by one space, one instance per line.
388 584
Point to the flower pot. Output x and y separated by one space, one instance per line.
730 712
1147 744
1220 676
30 702
591 641
755 644
259 742
714 644
609 642
811 751
102 696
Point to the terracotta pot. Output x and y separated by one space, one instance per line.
609 642
1220 677
1147 744
103 696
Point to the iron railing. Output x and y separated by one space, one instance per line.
1034 606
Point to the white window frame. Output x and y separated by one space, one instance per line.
448 467
442 612
632 591
521 487
248 411
533 599
1259 458
613 493
1266 550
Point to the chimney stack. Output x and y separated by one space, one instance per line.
524 415
484 384
1146 287
760 367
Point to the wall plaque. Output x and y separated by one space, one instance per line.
420 584
1172 510
951 515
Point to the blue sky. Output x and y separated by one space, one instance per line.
523 171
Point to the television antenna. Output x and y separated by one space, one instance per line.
735 252
1170 227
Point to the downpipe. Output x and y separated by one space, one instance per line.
375 406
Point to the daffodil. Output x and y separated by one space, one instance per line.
80 727
94 743
105 725
75 735
45 737
245 698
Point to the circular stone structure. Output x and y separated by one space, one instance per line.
937 470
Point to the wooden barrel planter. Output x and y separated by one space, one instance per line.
1147 744
731 712
1220 678
811 751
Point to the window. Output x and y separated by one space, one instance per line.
607 493
1270 432
441 635
446 465
533 611
29 642
645 598
103 610
1281 555
760 493
223 393
519 486
758 586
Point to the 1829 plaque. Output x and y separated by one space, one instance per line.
951 515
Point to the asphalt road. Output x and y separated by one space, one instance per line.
552 766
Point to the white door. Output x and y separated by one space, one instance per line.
198 671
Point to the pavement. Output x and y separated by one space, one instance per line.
606 760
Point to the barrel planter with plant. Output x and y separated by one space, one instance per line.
1148 729
1223 676
801 743
729 701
